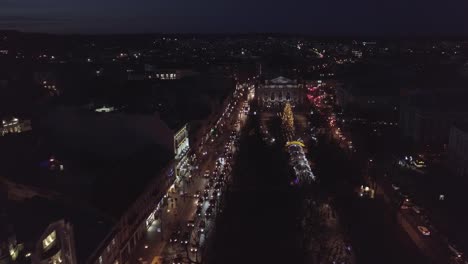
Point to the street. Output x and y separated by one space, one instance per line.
184 221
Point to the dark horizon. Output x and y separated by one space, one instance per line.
250 34
316 18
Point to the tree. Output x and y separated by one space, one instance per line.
287 122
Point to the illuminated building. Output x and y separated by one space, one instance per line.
153 72
31 231
15 126
357 53
56 245
105 109
279 91
181 148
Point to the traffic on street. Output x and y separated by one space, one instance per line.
186 215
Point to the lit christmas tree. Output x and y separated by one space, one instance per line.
288 121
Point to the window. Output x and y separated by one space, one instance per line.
100 259
57 258
113 241
272 96
49 240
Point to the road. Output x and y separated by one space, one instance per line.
181 204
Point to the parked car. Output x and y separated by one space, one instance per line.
202 226
185 238
174 237
424 230
191 223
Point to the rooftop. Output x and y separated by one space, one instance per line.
94 189
31 218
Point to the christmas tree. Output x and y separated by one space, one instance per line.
288 121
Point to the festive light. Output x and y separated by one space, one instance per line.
288 121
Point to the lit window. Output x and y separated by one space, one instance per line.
49 240
100 259
113 241
57 258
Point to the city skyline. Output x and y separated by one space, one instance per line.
361 18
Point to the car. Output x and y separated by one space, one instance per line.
212 202
211 182
185 238
174 237
194 248
207 174
177 260
455 251
191 223
199 211
202 226
424 230
208 185
206 195
209 212
416 209
197 194
200 201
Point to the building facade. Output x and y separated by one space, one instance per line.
56 245
276 92
429 126
153 72
122 241
14 126
348 98
120 244
181 150
458 149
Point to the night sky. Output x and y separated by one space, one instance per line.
316 17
